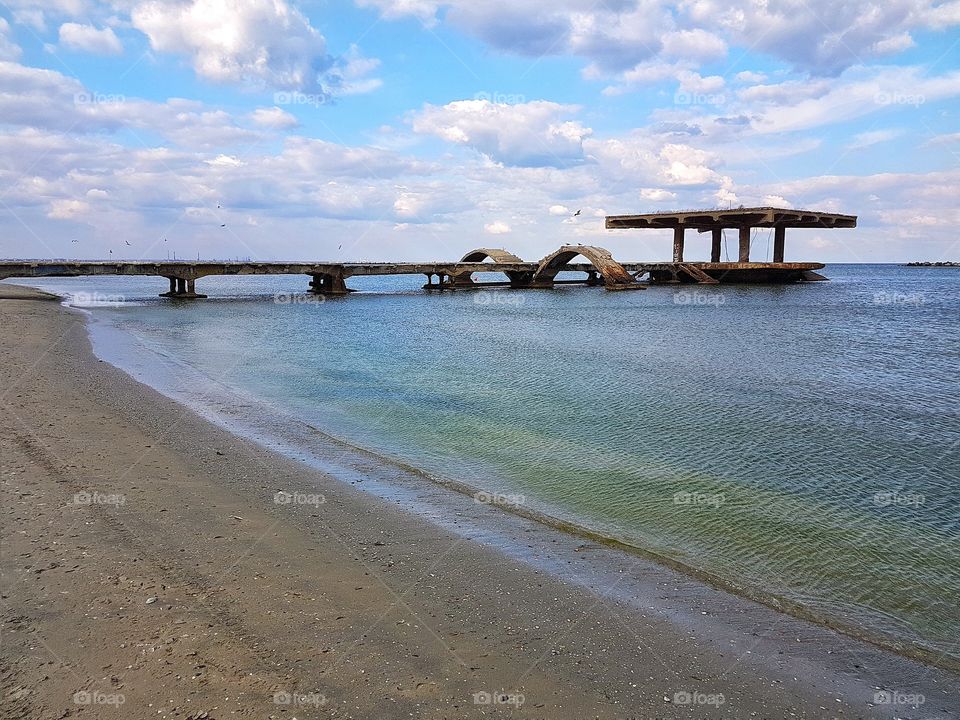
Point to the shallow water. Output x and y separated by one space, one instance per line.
796 442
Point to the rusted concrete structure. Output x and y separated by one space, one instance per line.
743 220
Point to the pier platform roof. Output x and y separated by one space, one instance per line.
704 220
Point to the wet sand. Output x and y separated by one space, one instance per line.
147 564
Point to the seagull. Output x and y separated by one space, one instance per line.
127 242
224 225
74 240
339 246
577 213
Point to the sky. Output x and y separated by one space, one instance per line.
421 129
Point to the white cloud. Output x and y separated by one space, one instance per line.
497 228
872 137
9 50
694 44
87 38
657 194
857 93
560 210
264 43
274 118
749 76
893 44
533 133
67 209
818 36
776 201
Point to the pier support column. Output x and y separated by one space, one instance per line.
182 289
678 244
744 244
779 235
715 245
329 284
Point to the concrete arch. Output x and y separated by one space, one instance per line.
612 272
497 255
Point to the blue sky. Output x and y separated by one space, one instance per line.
419 129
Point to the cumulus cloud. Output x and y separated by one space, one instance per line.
264 43
657 194
497 227
87 38
274 118
533 133
817 36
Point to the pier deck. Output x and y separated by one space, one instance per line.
330 278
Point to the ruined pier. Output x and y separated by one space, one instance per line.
598 266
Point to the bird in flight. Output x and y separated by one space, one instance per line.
224 225
577 213
74 240
127 242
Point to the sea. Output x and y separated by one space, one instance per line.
796 444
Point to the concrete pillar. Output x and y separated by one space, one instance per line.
744 244
715 245
779 234
191 287
181 286
173 286
678 244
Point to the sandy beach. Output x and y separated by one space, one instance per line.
150 570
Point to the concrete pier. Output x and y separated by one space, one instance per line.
599 268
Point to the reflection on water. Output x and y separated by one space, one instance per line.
796 441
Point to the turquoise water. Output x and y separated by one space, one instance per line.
797 443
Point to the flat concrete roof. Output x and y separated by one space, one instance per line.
733 218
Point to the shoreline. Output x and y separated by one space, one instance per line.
113 336
605 649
